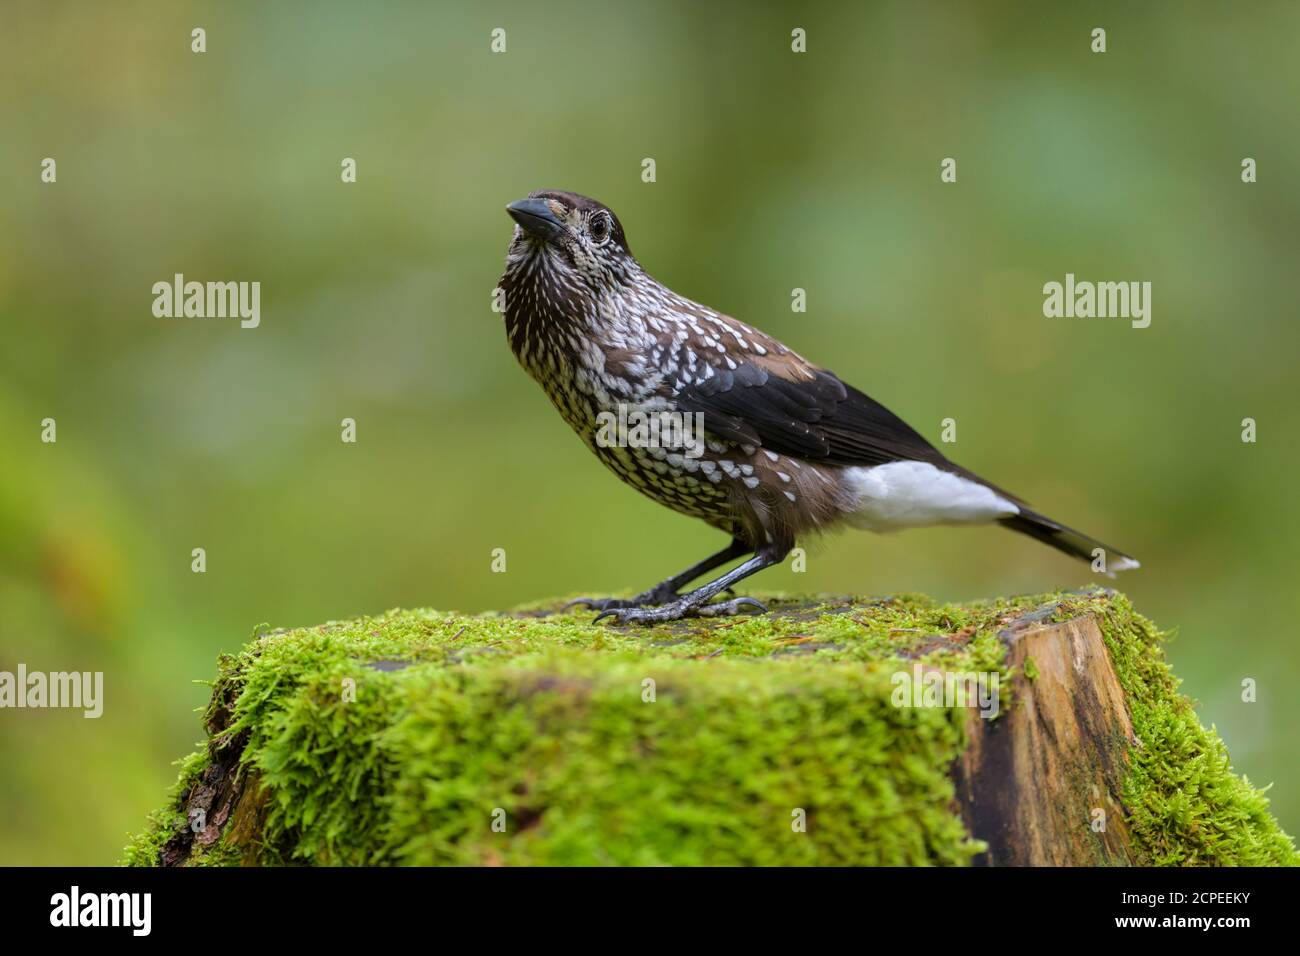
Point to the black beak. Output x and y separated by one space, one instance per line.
536 218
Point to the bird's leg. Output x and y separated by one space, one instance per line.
696 602
666 591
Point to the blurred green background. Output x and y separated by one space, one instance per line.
775 171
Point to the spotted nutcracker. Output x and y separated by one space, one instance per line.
787 450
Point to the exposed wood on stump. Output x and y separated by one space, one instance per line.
226 801
1041 784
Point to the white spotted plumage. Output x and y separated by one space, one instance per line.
600 335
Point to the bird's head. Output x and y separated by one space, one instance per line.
574 235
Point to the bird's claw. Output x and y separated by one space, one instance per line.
597 604
678 610
724 608
648 599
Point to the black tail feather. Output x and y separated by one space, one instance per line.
1074 543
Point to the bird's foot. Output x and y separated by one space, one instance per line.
652 598
678 609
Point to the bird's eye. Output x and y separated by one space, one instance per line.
599 227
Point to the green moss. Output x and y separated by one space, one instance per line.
1185 805
161 825
400 739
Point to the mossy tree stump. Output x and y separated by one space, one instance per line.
804 736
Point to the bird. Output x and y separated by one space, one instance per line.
732 426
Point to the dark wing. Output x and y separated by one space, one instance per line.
793 408
816 417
